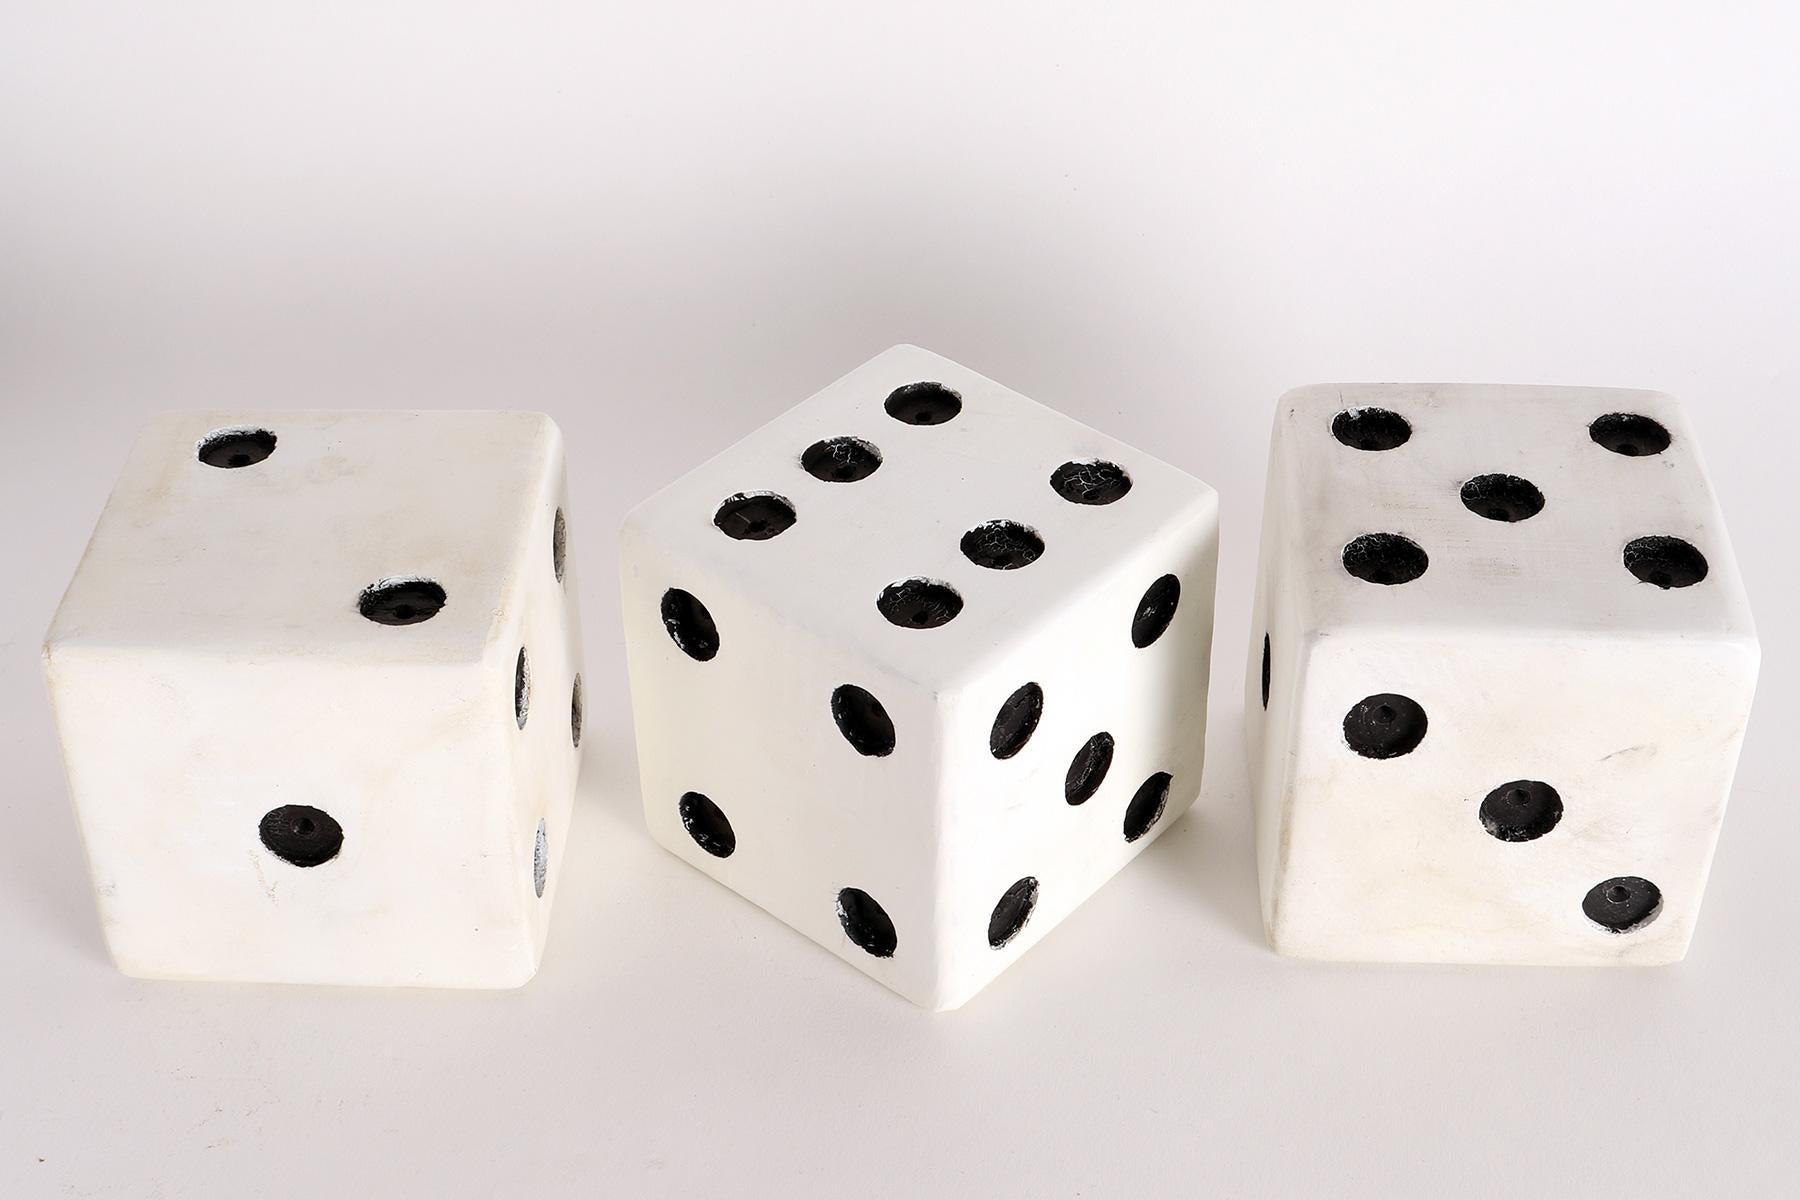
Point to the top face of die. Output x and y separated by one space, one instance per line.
1493 508
918 512
314 533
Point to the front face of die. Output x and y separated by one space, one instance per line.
1504 670
904 660
316 683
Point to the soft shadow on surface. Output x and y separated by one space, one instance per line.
1210 853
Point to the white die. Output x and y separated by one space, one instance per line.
920 762
272 785
1521 754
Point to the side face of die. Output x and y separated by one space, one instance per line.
1501 672
919 665
316 680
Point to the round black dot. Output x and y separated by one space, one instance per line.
690 626
1667 562
1385 558
1092 482
1370 429
1147 805
1623 903
1012 912
575 713
540 859
919 603
1629 434
1265 672
1521 811
1384 725
233 448
923 404
1502 497
559 545
707 825
301 834
521 688
866 923
1155 611
1002 545
754 516
1087 770
401 601
1017 721
862 720
841 460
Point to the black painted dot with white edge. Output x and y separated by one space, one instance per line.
1385 558
1017 721
1155 610
866 923
402 601
233 449
754 516
1093 481
1622 904
522 688
925 403
1147 805
1502 497
1665 562
1002 545
1087 770
707 824
1371 429
1012 911
862 720
841 460
1630 434
301 834
690 625
919 603
1521 811
1385 725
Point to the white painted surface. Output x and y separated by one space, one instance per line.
664 224
940 828
1535 654
209 664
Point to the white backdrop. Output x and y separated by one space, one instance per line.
665 223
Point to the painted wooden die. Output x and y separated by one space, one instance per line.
317 684
1501 672
919 665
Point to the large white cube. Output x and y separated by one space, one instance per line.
317 684
919 665
1500 674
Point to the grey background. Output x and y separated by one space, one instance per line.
664 224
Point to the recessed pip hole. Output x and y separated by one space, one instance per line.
1521 811
862 720
1667 562
1622 904
575 713
401 601
1265 672
1017 721
1630 434
1011 913
301 835
707 824
754 516
234 448
1147 805
919 603
923 404
1002 545
1502 497
1094 481
690 626
1087 770
866 923
559 545
1385 558
540 859
841 460
1370 429
1385 725
521 688
1155 611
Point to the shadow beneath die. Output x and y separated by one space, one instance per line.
1210 854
